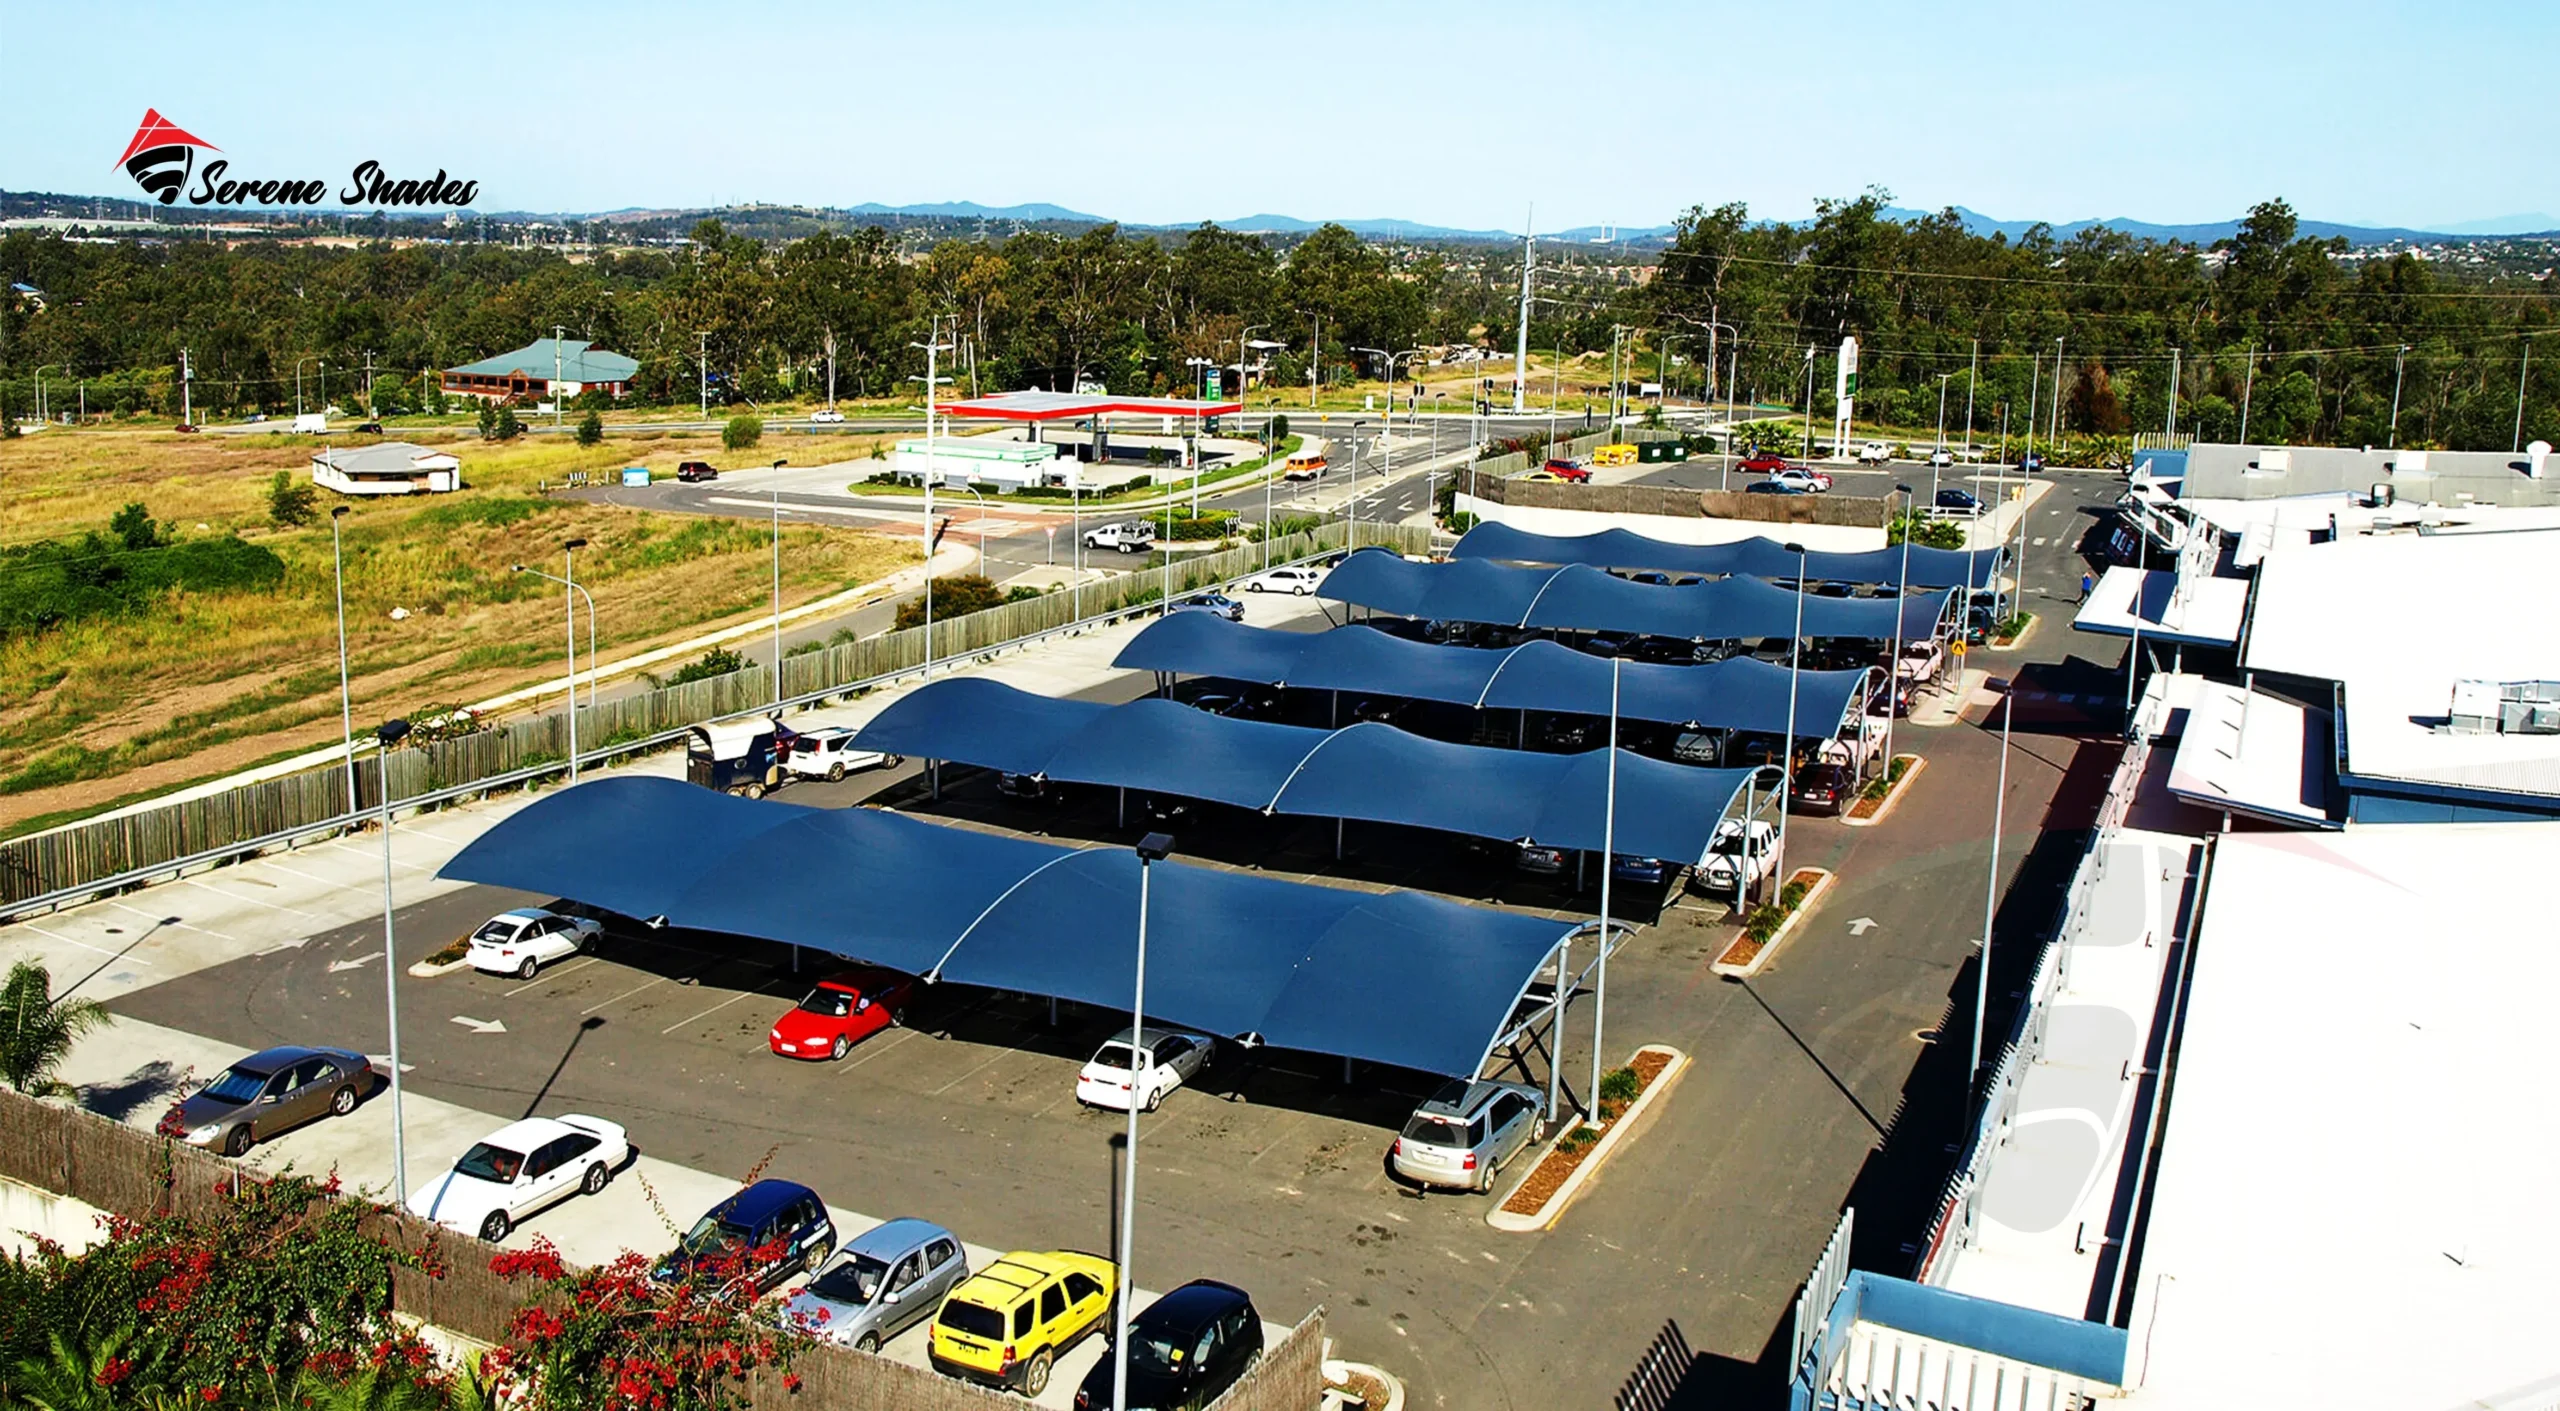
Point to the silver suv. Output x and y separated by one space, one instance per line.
1463 1134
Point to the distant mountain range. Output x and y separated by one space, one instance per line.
2208 232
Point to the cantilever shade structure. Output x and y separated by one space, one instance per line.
1584 599
1371 772
1395 978
1758 557
1735 694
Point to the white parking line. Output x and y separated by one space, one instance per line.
542 975
376 854
724 1004
253 901
875 1048
66 940
998 1055
626 994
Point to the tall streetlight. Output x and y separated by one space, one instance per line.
1386 443
1244 348
346 705
1991 889
1152 849
1901 601
1971 362
2522 369
982 524
390 733
570 585
1787 759
773 492
1808 441
1608 866
297 384
2053 436
1942 410
933 346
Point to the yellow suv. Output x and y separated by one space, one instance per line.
1013 1319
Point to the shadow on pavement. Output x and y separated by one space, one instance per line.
134 1091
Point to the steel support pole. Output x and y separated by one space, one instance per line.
1991 891
346 706
391 998
1608 866
1787 751
1129 1157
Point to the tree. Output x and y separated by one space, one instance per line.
955 596
38 1028
2287 411
742 433
1279 429
488 422
289 504
719 661
591 429
134 525
1926 532
2092 405
508 427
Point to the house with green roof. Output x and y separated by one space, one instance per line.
540 369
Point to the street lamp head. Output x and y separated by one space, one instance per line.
1905 489
1797 549
1155 847
391 732
780 464
337 511
515 568
574 544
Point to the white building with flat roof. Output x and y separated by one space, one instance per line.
386 468
987 462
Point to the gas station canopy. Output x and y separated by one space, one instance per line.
1077 406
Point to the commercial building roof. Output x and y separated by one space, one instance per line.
579 361
2230 472
2397 621
384 458
2352 1202
1392 978
1075 406
1759 557
1367 771
1581 598
1739 693
2253 753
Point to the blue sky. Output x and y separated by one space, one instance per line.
1455 114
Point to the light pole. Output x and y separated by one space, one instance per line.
2399 371
1901 601
982 524
933 346
346 705
41 414
1351 507
2053 435
1608 865
297 384
1942 411
1808 455
773 492
570 584
390 733
1787 760
1386 443
1972 360
1152 849
2249 388
1991 890
2522 369
1268 451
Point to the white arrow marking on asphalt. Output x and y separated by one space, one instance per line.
1861 925
383 1060
356 964
296 943
480 1026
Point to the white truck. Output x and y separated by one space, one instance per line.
1134 536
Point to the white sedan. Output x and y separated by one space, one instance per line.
1298 580
522 941
521 1168
1118 1077
826 414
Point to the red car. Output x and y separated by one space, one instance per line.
1569 470
842 1011
1763 462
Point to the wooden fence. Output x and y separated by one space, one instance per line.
315 801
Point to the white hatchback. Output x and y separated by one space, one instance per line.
827 753
1299 580
1117 1076
522 941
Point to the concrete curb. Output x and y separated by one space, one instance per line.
1621 1130
1822 884
425 971
2021 639
1947 706
1894 796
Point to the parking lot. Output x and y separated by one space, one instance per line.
1818 1084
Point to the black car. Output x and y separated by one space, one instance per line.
1659 580
1823 788
770 1230
1185 1350
691 471
368 428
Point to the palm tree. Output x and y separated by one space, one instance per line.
79 1376
38 1028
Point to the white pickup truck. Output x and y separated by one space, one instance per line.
1132 537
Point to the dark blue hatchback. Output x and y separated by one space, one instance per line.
768 1231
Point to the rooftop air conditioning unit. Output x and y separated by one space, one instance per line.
2537 459
2381 498
2410 463
2505 708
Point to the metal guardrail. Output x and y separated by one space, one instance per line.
346 822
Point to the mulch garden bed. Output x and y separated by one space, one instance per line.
1560 1162
1747 948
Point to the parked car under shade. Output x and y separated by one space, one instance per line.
1215 604
522 941
268 1092
1163 1061
844 1009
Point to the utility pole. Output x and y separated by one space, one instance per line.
1972 362
2248 386
368 383
933 347
2399 370
702 370
2174 366
1520 357
2053 441
556 331
186 388
2522 369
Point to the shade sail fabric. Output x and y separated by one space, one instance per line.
1371 772
1584 599
1758 557
1009 729
1739 693
1395 978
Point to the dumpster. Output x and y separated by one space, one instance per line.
635 475
1652 452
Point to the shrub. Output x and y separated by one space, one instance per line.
50 583
1279 429
1211 524
742 433
1580 1139
719 661
488 422
1620 1085
134 525
1460 521
507 427
953 596
590 429
289 504
1924 531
